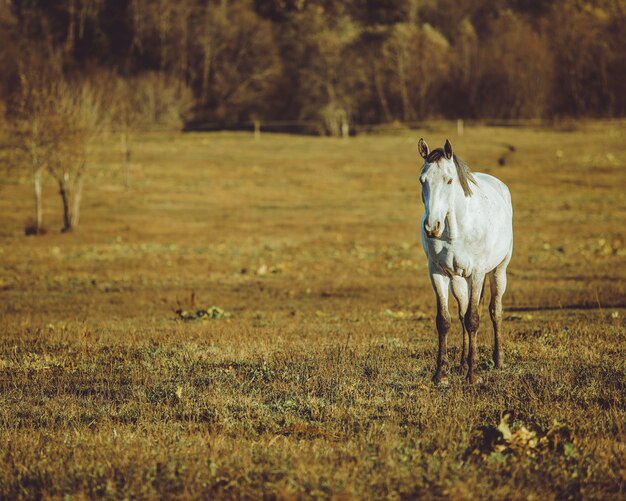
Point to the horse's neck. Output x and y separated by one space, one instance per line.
453 225
459 216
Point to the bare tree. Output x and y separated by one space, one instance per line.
462 89
326 77
210 40
419 58
31 113
582 36
54 123
78 13
238 60
77 123
398 50
515 71
162 28
428 73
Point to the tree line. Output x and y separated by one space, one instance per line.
355 61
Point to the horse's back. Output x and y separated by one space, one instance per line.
499 238
500 188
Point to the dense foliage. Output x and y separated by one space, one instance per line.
356 61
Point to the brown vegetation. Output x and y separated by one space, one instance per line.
318 384
336 65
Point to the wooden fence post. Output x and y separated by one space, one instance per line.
257 129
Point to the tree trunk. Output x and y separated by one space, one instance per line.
78 195
206 71
69 40
413 9
38 203
71 191
380 90
65 198
407 112
184 51
125 157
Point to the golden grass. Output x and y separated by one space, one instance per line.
318 385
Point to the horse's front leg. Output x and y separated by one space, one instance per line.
441 286
461 294
472 320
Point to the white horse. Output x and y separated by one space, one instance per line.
467 234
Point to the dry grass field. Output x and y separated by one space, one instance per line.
318 384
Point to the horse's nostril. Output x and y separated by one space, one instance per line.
432 231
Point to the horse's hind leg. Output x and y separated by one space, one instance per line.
497 281
460 293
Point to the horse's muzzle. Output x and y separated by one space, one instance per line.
433 232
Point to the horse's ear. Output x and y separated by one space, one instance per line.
447 149
423 148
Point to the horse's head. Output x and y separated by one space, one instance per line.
441 176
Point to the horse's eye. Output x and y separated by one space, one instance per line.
450 181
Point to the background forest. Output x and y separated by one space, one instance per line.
319 62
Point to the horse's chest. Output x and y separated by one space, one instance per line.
451 260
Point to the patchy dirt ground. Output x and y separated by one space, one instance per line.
316 381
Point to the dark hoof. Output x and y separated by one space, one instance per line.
498 360
440 379
473 378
